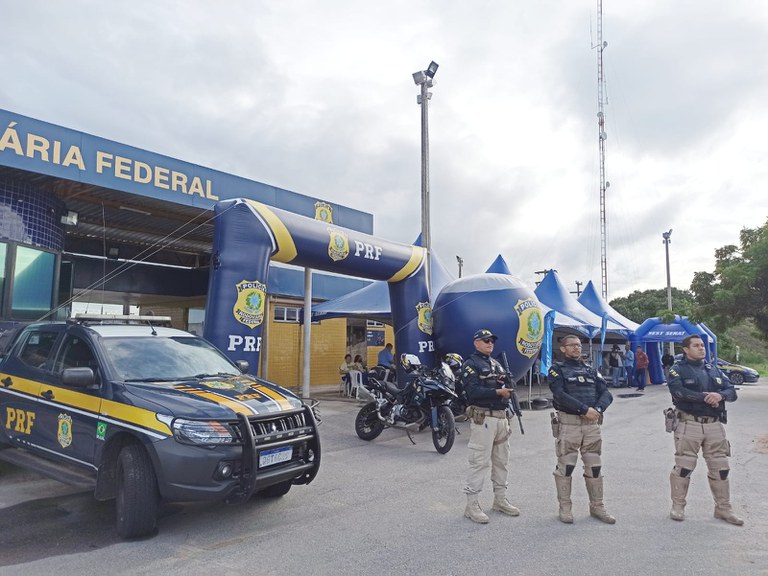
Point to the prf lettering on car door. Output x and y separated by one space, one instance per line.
19 420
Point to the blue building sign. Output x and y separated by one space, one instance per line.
43 148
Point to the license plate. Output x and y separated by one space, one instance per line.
275 456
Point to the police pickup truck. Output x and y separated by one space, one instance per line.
144 413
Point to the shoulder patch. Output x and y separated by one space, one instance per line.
673 371
553 372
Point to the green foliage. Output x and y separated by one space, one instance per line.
641 305
751 345
738 287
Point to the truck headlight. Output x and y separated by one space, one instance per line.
201 432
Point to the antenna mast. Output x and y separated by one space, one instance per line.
602 136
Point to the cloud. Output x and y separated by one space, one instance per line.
318 98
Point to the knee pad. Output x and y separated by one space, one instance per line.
724 474
596 471
682 472
569 469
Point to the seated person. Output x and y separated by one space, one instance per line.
344 369
359 365
386 358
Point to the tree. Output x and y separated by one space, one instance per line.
738 287
641 305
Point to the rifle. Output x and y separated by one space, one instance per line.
514 403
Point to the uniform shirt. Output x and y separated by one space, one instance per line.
577 387
690 381
629 358
481 375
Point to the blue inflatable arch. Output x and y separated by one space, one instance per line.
248 235
654 330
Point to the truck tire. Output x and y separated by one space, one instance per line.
137 499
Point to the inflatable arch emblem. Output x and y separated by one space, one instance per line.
249 234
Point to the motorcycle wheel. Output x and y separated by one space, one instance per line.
367 424
446 430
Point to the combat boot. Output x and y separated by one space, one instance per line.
679 489
721 491
474 512
596 507
501 504
563 484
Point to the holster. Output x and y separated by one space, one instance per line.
475 414
670 419
723 417
555 423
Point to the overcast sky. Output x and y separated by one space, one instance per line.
318 98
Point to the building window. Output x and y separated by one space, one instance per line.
286 314
373 324
32 283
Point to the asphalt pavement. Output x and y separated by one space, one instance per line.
393 507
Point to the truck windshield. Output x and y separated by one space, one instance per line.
157 359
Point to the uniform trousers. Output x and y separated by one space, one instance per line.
577 435
488 448
709 437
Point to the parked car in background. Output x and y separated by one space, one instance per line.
738 374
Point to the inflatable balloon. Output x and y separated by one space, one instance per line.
497 302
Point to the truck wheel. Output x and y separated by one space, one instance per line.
137 498
276 490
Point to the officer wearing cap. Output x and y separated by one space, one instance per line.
483 379
699 391
580 396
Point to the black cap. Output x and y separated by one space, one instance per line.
482 334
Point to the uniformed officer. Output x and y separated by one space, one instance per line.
699 391
484 379
580 396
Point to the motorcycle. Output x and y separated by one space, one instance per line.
450 370
424 401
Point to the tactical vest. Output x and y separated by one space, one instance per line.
698 380
487 371
580 381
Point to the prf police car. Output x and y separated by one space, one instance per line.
144 414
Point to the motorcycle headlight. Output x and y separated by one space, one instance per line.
201 432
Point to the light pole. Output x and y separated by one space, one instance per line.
425 80
460 260
667 239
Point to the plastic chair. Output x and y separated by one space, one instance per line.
355 382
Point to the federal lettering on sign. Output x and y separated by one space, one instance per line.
426 345
368 251
243 343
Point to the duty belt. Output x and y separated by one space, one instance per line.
700 419
488 413
567 418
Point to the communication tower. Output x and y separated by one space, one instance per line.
602 136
